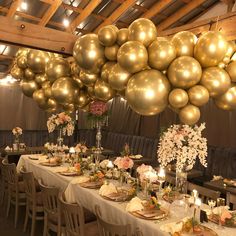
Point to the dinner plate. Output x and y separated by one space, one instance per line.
118 197
205 231
69 173
151 214
49 164
92 184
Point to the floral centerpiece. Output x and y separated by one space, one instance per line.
81 148
124 163
146 172
17 131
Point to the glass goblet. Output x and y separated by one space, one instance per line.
211 204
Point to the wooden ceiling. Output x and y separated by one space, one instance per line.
86 16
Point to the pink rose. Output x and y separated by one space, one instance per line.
225 215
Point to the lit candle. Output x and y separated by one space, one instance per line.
110 165
72 150
195 193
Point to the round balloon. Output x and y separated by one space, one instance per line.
22 52
28 87
231 69
198 95
103 91
79 83
211 48
111 52
17 73
29 74
142 30
118 77
68 107
107 36
89 53
184 72
82 99
122 36
184 43
21 62
178 98
147 92
189 115
106 70
75 69
231 49
160 54
41 78
87 78
39 96
215 80
132 56
47 92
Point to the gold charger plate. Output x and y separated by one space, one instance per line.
49 164
92 184
205 231
69 173
151 214
121 196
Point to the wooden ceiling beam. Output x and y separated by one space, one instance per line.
117 13
156 8
135 6
13 8
50 12
179 14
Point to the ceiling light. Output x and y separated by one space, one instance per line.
8 80
66 22
24 6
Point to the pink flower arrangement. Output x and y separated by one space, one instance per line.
124 162
80 148
17 131
146 172
98 108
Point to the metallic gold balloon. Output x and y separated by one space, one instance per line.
221 65
132 56
51 110
178 98
39 96
56 68
184 72
103 91
142 30
111 52
17 73
160 54
29 74
198 95
37 60
87 78
184 43
28 87
64 90
122 36
147 92
22 62
52 103
231 69
89 53
226 60
22 52
91 92
41 78
215 80
118 77
189 115
46 85
85 108
75 70
78 81
107 36
82 99
227 101
68 107
47 92
210 49
106 70
231 49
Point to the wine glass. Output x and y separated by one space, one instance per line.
211 204
220 205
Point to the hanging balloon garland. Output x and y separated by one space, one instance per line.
150 72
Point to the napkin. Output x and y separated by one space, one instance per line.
7 148
80 179
138 156
104 163
107 189
217 177
135 205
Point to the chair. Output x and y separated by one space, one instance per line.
51 206
204 193
231 199
75 221
107 229
16 192
3 183
34 205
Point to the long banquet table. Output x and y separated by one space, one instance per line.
111 211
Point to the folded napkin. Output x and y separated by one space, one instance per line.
80 179
135 205
138 156
104 163
7 148
107 189
217 177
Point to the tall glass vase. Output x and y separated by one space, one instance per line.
181 181
60 138
98 136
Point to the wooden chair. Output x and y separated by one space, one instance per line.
51 206
231 199
75 221
34 204
204 193
107 229
16 191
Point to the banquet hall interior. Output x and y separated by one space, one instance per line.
117 117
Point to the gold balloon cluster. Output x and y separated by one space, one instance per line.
150 72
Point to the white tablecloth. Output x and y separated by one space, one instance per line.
111 211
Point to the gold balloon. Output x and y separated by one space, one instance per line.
52 103
106 70
178 98
22 52
64 90
215 80
189 115
56 68
227 101
103 91
78 81
226 60
87 78
41 78
29 74
39 96
122 36
221 65
91 92
75 70
198 95
142 30
82 99
111 52
28 87
184 72
231 69
37 60
160 54
22 62
231 49
47 92
89 53
118 77
184 43
107 36
147 92
132 56
210 49
46 85
68 107
85 108
17 73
